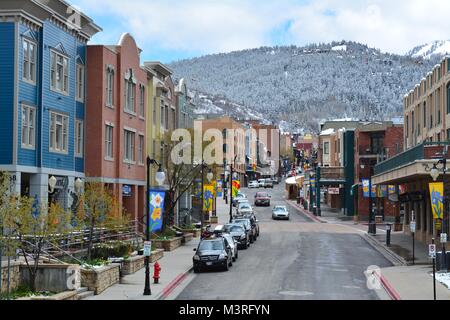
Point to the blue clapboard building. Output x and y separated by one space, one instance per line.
42 96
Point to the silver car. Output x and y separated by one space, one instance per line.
233 244
244 208
280 212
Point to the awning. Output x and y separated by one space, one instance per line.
295 180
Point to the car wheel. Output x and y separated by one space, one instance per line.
234 259
231 263
226 267
196 270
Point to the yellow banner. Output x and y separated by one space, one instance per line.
208 196
437 199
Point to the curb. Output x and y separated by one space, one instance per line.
394 258
173 284
307 213
387 286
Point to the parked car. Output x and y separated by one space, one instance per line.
268 183
276 180
251 229
238 232
262 199
261 182
240 201
238 197
280 212
233 244
244 208
253 184
253 220
212 252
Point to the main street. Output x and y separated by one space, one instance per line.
296 259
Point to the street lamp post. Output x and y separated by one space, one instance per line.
160 178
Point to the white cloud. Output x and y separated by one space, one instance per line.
211 26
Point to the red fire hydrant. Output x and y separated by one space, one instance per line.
156 271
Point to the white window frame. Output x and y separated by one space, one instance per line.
129 145
29 62
54 84
79 138
28 127
141 147
80 81
110 87
142 101
64 139
109 145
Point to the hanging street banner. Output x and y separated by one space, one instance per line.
366 183
382 191
391 189
236 187
208 197
437 199
312 181
156 209
219 188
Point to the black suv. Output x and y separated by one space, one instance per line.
254 222
249 228
239 234
212 252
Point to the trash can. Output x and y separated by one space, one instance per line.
439 266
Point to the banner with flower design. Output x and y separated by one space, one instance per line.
236 187
437 199
208 197
156 209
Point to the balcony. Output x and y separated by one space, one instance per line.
427 150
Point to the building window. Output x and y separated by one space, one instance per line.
109 141
28 127
59 70
59 132
79 138
448 98
29 61
162 115
130 92
110 87
424 114
326 148
129 137
141 149
141 101
166 118
80 83
154 111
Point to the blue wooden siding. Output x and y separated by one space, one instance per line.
29 95
7 91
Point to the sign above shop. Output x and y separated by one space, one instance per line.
126 191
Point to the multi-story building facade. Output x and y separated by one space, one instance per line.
426 111
42 77
185 105
116 122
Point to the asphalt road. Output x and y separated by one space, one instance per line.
292 260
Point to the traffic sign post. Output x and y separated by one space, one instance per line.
147 248
432 254
413 231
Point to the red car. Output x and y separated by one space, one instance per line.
262 199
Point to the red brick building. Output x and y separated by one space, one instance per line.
116 122
375 142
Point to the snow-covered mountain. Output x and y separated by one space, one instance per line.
435 49
299 86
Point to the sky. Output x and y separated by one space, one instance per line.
170 30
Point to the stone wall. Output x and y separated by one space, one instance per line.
187 237
133 264
156 255
53 277
168 245
98 280
14 281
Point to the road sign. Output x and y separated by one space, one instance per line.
147 248
432 250
412 226
443 237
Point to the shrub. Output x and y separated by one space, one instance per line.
115 249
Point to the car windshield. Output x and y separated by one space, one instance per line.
211 245
262 195
242 221
235 228
244 206
279 209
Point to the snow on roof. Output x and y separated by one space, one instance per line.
327 132
398 120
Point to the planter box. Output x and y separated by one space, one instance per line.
187 237
168 245
195 232
133 264
214 219
98 280
398 227
156 255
